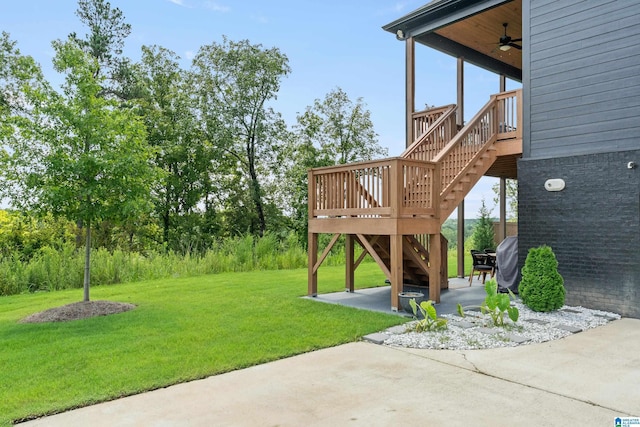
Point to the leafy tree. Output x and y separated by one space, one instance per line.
78 155
511 191
340 129
181 152
104 42
483 236
332 131
234 82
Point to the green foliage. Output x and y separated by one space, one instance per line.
496 305
483 236
236 81
430 320
57 267
511 191
542 287
182 329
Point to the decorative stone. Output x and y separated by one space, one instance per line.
462 324
376 338
518 339
488 331
569 328
537 321
399 329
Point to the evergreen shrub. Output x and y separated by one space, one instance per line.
542 287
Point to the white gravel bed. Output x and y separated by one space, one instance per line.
476 331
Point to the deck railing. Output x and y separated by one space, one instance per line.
365 189
436 137
497 120
407 186
424 120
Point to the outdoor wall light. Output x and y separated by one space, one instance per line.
400 35
554 184
631 165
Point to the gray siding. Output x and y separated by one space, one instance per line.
583 77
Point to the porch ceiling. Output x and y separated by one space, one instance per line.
469 29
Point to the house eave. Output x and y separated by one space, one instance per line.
437 14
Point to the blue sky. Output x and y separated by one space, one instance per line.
329 44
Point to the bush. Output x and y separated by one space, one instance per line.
542 287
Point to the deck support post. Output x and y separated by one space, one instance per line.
435 262
312 253
410 89
460 124
396 270
350 264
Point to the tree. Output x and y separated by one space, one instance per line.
104 42
181 153
340 129
77 155
331 131
234 82
511 191
483 236
542 286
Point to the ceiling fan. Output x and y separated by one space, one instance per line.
506 42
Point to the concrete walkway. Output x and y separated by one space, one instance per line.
587 379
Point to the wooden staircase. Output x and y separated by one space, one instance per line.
415 258
393 206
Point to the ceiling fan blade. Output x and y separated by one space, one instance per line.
516 40
516 46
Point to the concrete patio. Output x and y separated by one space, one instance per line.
379 299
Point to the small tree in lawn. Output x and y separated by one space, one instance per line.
77 155
542 287
483 236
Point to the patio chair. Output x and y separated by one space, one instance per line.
482 265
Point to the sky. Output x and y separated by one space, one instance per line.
329 44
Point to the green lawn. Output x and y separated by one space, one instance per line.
182 329
452 260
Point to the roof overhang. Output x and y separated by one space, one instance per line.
467 28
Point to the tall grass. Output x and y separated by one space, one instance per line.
62 268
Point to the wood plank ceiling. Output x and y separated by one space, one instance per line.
482 32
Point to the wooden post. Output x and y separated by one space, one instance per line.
503 209
312 239
460 123
312 280
350 264
435 254
396 270
410 88
460 244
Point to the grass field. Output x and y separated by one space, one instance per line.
181 330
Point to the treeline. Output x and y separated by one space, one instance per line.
40 254
149 156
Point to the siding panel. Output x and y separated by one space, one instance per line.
584 77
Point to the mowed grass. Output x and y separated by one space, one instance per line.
181 330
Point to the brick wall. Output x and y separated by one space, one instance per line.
593 226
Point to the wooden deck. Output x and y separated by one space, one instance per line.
413 194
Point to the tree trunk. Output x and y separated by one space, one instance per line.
257 200
87 261
255 187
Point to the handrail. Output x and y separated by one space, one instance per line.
411 185
496 120
367 189
435 138
424 119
